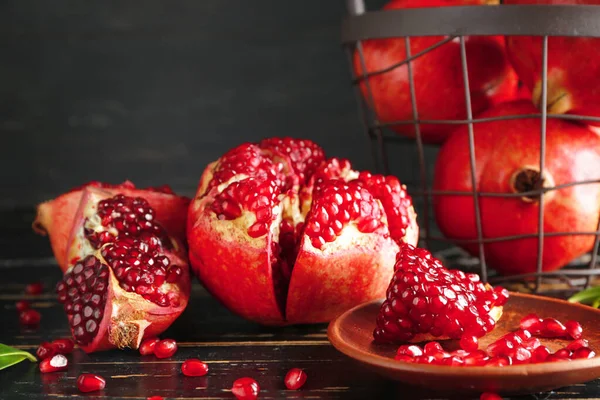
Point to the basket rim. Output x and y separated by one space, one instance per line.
516 20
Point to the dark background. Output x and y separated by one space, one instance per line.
153 91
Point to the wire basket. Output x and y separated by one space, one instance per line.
454 23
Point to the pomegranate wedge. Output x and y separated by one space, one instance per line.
56 217
281 235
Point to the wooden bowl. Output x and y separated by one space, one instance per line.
351 333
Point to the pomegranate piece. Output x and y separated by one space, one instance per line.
30 318
245 389
63 346
165 348
147 346
277 231
194 367
22 305
490 396
56 363
469 343
45 350
90 383
295 379
56 218
34 288
424 298
574 329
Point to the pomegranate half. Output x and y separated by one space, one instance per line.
281 235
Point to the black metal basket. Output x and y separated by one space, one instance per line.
454 23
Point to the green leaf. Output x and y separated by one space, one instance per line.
587 296
10 356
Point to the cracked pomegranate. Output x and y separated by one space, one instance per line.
56 217
131 279
55 363
194 367
90 383
245 389
277 232
295 379
424 300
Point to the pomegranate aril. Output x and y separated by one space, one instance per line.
583 352
165 348
45 350
147 346
521 356
194 367
469 343
56 363
295 379
577 344
404 358
540 354
90 383
155 398
499 361
552 328
432 348
34 288
531 323
22 305
574 329
245 389
63 346
490 396
563 354
409 350
30 318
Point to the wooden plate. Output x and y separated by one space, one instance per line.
351 333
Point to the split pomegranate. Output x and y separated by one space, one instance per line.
245 389
507 161
165 348
281 235
131 281
147 346
22 305
295 379
34 288
194 367
56 217
30 318
424 299
90 383
436 75
55 363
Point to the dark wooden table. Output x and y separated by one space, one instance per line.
231 346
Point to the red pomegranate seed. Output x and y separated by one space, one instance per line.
490 396
432 348
552 328
425 359
502 295
469 343
30 318
577 344
540 354
409 350
523 334
478 358
147 346
563 354
574 329
63 346
583 352
155 398
165 348
55 363
90 383
521 356
532 343
531 323
194 367
499 361
245 389
45 350
404 358
34 288
22 305
454 361
295 379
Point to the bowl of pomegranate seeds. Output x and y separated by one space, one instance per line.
445 326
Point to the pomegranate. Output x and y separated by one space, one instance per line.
507 161
131 281
280 235
55 363
90 383
295 379
56 217
425 300
194 367
436 75
572 73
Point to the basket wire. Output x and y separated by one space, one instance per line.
574 278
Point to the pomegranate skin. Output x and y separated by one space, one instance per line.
503 148
437 74
573 67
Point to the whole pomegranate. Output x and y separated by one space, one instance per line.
507 161
56 217
436 74
126 279
280 235
573 70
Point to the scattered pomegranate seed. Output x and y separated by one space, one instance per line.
540 354
490 396
577 344
432 348
165 348
409 350
499 361
295 379
194 367
530 322
583 352
574 329
22 305
90 383
63 346
147 346
245 389
30 318
155 398
34 288
552 328
469 343
56 363
45 350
